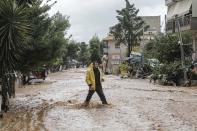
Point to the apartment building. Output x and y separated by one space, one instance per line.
115 52
154 28
186 12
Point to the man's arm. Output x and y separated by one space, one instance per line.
88 78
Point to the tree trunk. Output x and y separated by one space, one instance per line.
129 48
5 98
129 52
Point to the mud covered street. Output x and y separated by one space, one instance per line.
136 105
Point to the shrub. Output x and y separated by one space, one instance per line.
123 66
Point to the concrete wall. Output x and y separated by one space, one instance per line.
194 23
154 22
194 56
194 8
194 28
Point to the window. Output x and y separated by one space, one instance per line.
105 44
116 62
117 45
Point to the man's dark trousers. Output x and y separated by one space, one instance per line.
99 91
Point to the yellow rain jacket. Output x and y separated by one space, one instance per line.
90 77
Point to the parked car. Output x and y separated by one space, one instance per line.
34 76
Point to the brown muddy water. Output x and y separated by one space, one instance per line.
136 105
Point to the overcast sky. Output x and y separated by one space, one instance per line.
89 17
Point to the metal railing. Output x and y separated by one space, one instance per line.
183 20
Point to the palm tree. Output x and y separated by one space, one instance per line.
13 31
25 2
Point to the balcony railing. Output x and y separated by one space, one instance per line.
185 21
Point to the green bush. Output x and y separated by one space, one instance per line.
166 48
123 66
169 68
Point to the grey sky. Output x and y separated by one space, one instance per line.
89 17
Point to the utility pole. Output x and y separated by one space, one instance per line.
143 45
180 42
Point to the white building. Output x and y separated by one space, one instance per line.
186 11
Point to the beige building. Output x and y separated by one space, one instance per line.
115 52
154 28
186 10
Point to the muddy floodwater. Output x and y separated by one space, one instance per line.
135 105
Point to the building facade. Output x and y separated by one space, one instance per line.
184 11
154 28
115 53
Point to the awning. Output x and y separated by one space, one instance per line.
179 8
171 11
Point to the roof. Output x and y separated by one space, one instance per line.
109 38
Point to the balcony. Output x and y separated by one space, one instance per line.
185 24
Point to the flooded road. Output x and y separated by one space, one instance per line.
136 105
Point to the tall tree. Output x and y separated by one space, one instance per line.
83 53
46 44
95 49
56 37
36 49
129 26
72 50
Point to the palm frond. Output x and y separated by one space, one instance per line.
13 29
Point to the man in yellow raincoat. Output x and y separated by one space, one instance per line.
94 77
